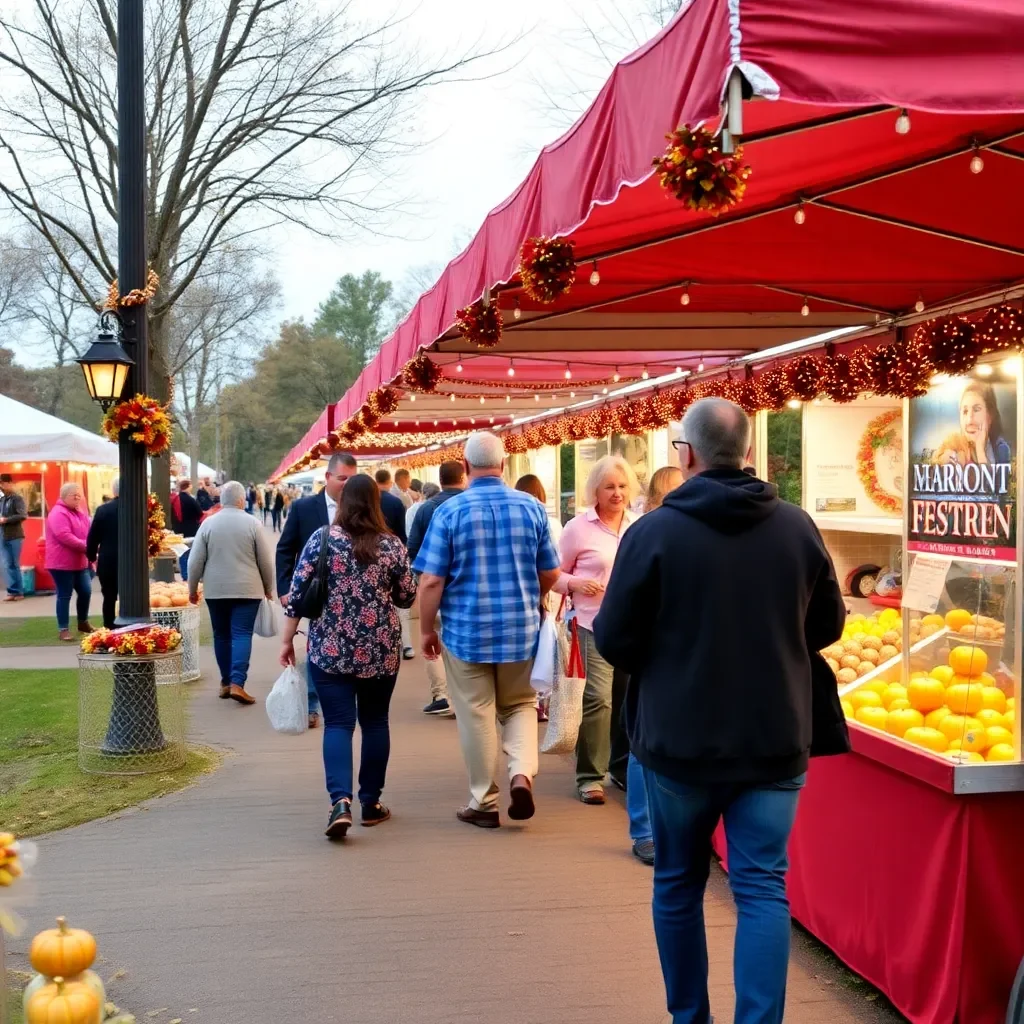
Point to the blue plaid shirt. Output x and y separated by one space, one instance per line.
488 544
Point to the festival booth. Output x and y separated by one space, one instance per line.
837 244
43 453
181 466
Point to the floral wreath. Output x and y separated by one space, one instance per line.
880 433
696 170
132 643
145 420
547 268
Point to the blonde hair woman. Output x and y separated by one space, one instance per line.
588 547
664 481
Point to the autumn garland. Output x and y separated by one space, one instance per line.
132 643
144 419
480 323
136 297
547 268
155 524
698 173
880 433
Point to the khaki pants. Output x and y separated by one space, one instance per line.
481 695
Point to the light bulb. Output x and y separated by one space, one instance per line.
604 391
454 422
800 216
679 369
568 373
511 369
508 398
412 398
517 312
435 423
645 374
903 123
615 376
451 398
794 403
536 398
977 164
458 367
490 419
471 420
481 399
919 305
684 299
805 310
416 423
700 366
595 275
572 394
983 370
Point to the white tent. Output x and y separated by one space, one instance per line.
184 462
28 435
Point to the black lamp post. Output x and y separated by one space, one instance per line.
106 364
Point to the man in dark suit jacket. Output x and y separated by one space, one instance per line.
391 506
307 516
101 548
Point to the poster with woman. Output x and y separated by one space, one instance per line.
963 486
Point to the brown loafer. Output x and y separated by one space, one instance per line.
239 694
15 597
521 806
225 692
65 635
482 819
594 797
84 627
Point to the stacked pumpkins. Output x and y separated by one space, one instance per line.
956 709
65 991
169 595
865 644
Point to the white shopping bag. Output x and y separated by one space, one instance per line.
565 707
542 676
266 619
288 704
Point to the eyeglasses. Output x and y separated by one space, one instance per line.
678 444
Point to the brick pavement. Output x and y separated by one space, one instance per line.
226 900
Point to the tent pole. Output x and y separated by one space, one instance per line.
733 112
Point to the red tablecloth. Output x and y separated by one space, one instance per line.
918 890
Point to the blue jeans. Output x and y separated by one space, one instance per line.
233 620
346 699
11 552
66 581
312 697
183 565
636 802
758 821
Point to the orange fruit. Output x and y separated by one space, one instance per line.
964 697
875 717
1009 718
877 685
848 709
989 718
997 734
1000 752
926 694
964 757
894 691
943 673
994 698
986 679
899 721
933 718
864 698
930 739
957 618
933 620
954 726
1011 703
968 661
899 704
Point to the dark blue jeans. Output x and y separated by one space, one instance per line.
345 700
67 580
233 619
10 556
758 821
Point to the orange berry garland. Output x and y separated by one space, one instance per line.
547 268
144 419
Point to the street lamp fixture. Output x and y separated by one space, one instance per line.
106 364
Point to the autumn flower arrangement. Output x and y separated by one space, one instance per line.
547 268
480 323
132 642
698 173
144 420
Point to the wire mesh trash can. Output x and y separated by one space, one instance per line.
186 621
131 713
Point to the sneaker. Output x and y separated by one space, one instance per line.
340 820
408 654
374 814
643 850
437 707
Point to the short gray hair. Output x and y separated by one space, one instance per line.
115 487
68 489
718 432
484 450
232 493
429 490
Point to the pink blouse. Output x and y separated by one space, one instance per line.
588 549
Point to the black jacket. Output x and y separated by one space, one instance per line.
424 514
394 514
191 514
203 499
12 508
717 605
102 539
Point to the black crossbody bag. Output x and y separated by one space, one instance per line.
312 599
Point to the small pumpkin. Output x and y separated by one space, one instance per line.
90 978
64 1002
62 951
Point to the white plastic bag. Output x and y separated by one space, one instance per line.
266 620
565 706
288 704
542 676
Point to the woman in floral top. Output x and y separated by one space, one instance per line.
354 647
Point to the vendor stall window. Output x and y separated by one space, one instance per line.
785 453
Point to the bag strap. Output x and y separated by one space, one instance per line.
575 668
321 561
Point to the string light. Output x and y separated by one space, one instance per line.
536 398
511 368
977 164
645 374
568 372
451 397
458 367
684 299
572 394
800 216
984 370
604 391
435 423
595 275
794 403
919 305
615 376
482 399
508 398
517 312
471 420
903 122
805 309
700 365
490 419
679 369
416 423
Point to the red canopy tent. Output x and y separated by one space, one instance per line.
891 220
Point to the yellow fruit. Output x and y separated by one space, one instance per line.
954 726
899 721
878 685
964 757
864 698
848 708
963 697
957 618
893 692
898 704
994 698
926 694
968 661
933 620
875 717
930 739
989 718
933 718
996 734
1009 719
943 673
1000 752
1011 703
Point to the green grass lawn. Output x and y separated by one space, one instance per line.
41 631
41 787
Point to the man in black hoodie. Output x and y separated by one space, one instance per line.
717 605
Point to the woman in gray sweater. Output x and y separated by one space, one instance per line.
230 557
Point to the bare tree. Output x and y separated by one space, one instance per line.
260 112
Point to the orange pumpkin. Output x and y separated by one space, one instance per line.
64 1002
899 721
62 951
966 732
933 718
992 697
968 661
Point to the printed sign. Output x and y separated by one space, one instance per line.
963 487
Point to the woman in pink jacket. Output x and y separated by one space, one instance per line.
67 527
